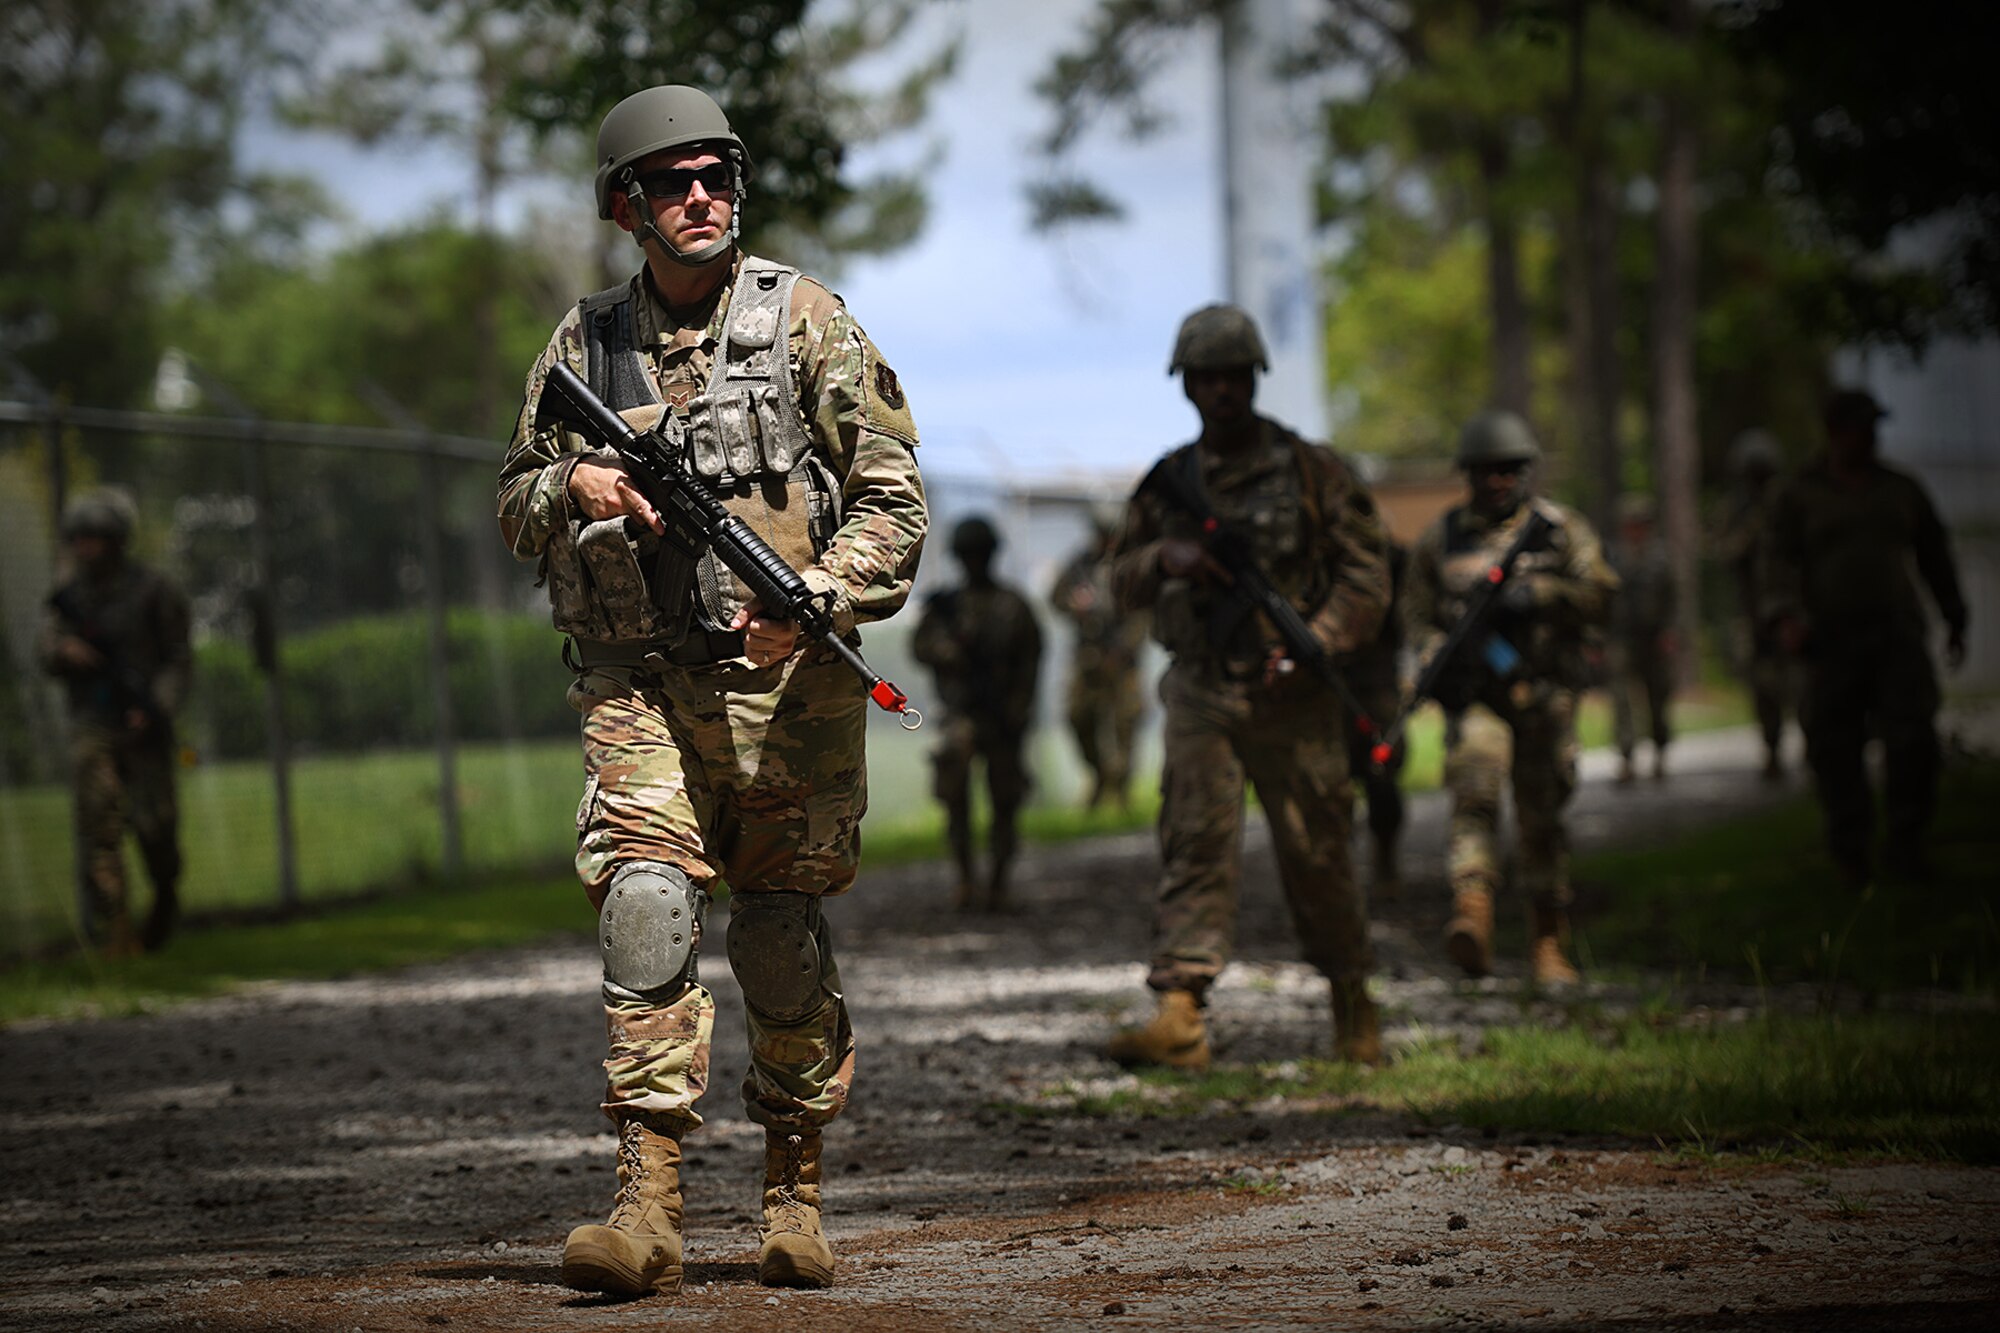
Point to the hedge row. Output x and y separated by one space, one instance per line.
366 683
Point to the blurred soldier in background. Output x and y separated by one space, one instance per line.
984 647
715 744
1105 700
1641 650
1235 708
1844 534
1374 674
1510 702
1771 673
116 634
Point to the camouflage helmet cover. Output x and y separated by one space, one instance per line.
101 513
654 119
1218 337
974 534
1497 437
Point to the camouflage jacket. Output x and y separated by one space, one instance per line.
1311 525
1108 637
984 646
1571 583
138 622
1644 607
855 416
1840 557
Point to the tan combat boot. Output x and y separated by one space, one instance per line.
119 941
794 1252
1548 962
1357 1024
1468 937
638 1249
1177 1037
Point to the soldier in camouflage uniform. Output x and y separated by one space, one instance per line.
1510 698
1844 535
982 643
116 634
1771 673
1642 638
1105 699
716 745
1234 707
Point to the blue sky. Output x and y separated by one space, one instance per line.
1025 356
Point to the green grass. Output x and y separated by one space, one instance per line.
1904 1086
1756 898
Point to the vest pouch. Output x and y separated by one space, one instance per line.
781 447
614 563
722 434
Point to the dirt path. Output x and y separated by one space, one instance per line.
407 1151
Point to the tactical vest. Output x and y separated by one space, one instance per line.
743 436
1551 648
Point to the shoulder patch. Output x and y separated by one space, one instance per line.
887 386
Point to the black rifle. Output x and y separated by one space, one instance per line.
697 522
1478 608
1252 591
126 687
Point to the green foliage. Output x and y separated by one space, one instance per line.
364 684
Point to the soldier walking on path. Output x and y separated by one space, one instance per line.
1844 535
1235 707
116 634
1105 699
716 746
1642 638
983 645
1510 698
1771 673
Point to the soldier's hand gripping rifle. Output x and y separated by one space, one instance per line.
124 687
1478 610
1253 592
696 521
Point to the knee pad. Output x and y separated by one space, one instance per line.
773 946
649 932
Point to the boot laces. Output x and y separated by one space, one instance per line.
790 1210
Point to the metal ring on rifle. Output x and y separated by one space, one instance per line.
909 719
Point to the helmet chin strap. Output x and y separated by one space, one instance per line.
701 258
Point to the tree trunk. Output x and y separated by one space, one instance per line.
1593 295
1675 430
1513 387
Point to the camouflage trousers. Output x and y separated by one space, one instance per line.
1641 677
1287 741
1103 708
122 783
1886 688
1532 740
986 743
747 777
1773 675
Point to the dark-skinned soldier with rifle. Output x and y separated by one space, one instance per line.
1500 592
1262 561
716 471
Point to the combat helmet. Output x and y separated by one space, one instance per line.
1755 451
1218 337
654 119
1497 437
100 513
974 536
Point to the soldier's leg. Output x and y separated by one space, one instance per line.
98 786
798 793
951 783
1544 779
1906 704
643 857
1296 758
1007 783
1477 747
1128 705
149 773
1622 687
1085 714
1201 837
1833 713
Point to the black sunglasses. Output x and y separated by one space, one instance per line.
675 182
1510 468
